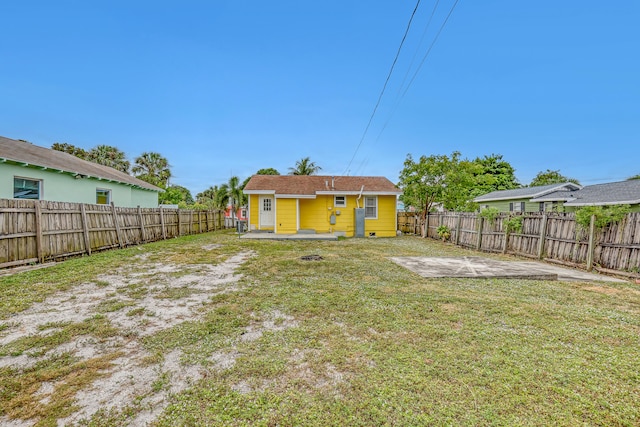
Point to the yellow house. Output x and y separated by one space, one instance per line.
342 205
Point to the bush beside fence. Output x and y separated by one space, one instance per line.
550 236
35 231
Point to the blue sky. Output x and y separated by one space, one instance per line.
225 88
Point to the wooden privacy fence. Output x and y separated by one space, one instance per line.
550 236
34 231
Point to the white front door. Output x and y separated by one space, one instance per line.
266 210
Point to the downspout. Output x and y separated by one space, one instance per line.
359 197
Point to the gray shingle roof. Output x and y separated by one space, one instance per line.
28 154
526 192
612 193
555 196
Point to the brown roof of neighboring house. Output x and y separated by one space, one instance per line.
307 185
28 154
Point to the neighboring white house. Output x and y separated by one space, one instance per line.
28 171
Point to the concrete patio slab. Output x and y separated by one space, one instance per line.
480 267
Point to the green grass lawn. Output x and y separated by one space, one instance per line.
349 340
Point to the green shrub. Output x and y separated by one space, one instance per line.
443 232
513 224
605 215
490 214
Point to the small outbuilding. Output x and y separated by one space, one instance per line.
341 205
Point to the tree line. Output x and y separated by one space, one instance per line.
232 194
452 182
149 167
154 168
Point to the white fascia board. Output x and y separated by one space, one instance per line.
259 191
621 202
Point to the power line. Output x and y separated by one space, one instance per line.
384 87
435 39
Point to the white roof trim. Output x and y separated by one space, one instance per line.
631 202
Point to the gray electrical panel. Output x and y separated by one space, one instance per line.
359 218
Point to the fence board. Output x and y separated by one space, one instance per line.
38 231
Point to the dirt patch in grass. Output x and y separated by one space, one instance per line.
111 317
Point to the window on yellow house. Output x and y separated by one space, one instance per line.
371 207
340 201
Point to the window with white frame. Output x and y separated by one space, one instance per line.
26 188
516 207
103 196
340 201
371 207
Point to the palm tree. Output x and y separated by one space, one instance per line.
108 155
152 168
305 167
236 196
214 196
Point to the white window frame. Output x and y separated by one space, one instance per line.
375 206
108 191
39 181
342 204
516 207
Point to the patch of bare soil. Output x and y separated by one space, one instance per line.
140 299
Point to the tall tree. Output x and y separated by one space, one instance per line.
551 177
305 167
70 149
214 196
152 168
108 155
268 171
437 179
494 174
176 194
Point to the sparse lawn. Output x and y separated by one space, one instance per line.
349 340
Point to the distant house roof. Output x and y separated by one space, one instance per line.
612 193
312 185
527 192
555 196
27 154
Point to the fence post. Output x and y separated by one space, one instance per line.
590 253
115 221
191 222
480 226
38 211
543 236
164 230
425 226
458 223
85 229
142 239
179 223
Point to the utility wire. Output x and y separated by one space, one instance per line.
435 39
424 58
384 87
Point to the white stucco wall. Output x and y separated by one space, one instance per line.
63 187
